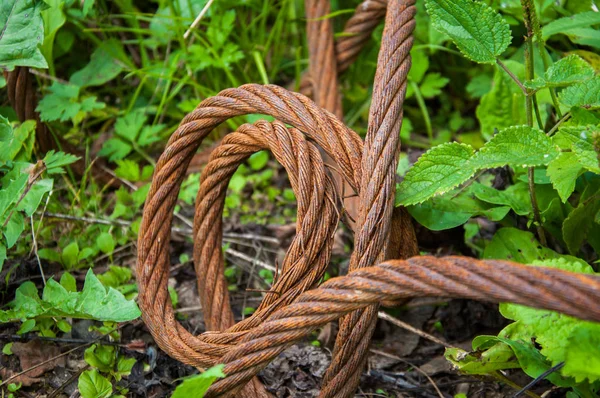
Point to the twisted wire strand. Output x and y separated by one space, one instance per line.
153 257
380 156
574 294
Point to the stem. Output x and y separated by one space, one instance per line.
513 76
557 125
423 107
528 11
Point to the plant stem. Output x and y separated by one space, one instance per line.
423 107
513 76
528 10
557 125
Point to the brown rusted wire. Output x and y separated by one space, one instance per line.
291 310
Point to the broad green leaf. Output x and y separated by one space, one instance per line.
439 170
92 384
579 222
196 386
516 146
569 70
515 196
504 104
54 18
105 243
32 199
558 335
13 228
70 254
17 144
577 27
63 103
563 171
449 211
580 139
103 66
586 94
478 31
258 160
60 300
521 246
21 32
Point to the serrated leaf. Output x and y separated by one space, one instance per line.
92 384
583 353
578 224
504 104
55 161
103 66
563 171
516 146
438 170
63 103
569 70
580 140
478 31
196 386
21 32
586 94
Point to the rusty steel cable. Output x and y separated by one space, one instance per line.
290 310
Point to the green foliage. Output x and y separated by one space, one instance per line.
480 33
578 27
92 384
446 166
197 385
65 104
585 94
569 70
59 300
21 33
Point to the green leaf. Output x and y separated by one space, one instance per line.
258 160
54 18
32 199
516 146
92 384
101 357
70 254
21 32
497 357
432 85
7 349
583 353
576 27
55 161
105 243
27 326
2 254
563 171
578 224
196 386
478 31
68 282
63 103
515 196
504 104
580 139
522 247
586 94
437 171
569 70
103 66
13 229
17 144
446 166
451 210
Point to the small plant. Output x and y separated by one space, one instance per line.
196 386
553 184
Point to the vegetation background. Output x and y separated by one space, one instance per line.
501 111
